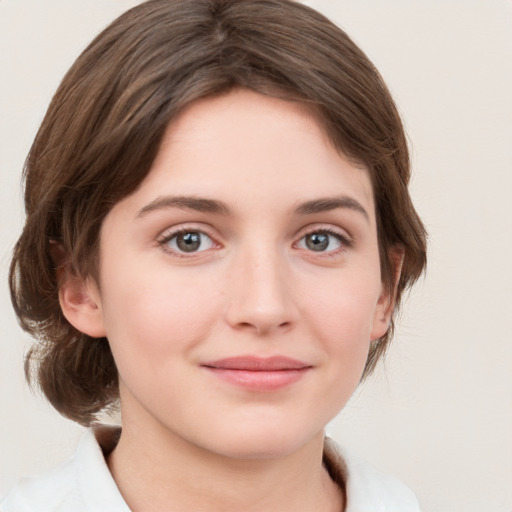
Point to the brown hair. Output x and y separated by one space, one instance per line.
103 129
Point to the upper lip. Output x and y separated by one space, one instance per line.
257 364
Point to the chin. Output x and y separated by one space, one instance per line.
263 443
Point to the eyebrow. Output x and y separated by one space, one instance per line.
204 205
331 203
198 204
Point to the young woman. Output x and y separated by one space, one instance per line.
218 234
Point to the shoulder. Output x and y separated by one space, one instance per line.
83 484
366 487
55 491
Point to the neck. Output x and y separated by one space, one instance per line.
163 472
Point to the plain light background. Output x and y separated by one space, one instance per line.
438 412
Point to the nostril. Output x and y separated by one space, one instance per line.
262 327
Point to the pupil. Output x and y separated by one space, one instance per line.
317 241
188 242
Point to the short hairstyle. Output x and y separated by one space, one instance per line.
104 127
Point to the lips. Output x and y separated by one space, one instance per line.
258 364
258 374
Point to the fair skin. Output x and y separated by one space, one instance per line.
251 238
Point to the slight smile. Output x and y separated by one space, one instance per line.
259 374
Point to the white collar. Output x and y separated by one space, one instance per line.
366 488
85 484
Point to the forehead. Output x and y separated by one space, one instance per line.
248 149
251 113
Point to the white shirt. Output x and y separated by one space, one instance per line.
84 484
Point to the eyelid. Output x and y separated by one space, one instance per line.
345 238
169 233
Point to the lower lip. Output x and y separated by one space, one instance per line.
260 380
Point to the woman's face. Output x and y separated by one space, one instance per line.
240 284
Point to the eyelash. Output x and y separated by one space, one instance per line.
344 241
164 240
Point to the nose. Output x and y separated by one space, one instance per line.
260 291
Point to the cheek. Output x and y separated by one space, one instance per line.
156 316
344 302
342 319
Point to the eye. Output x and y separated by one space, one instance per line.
187 241
323 241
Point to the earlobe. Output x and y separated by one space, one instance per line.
80 304
79 298
387 299
382 316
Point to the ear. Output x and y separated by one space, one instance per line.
387 299
79 298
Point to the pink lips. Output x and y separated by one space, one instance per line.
259 374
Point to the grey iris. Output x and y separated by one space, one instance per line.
317 241
188 242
